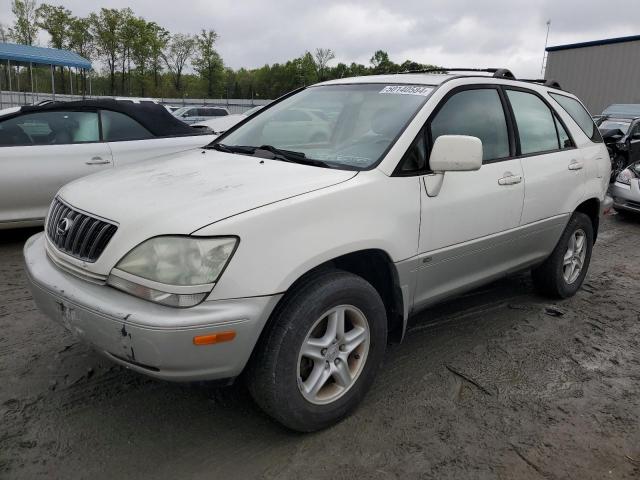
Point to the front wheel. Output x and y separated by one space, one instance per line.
321 352
562 274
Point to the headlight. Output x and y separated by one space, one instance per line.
625 176
173 270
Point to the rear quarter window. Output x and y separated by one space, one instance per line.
579 114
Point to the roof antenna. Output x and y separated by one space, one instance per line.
544 54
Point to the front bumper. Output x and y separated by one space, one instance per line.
626 197
146 337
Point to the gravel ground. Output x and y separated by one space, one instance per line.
500 383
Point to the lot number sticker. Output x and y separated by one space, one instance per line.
407 90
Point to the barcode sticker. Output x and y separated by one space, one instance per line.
407 90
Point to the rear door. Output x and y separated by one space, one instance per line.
554 169
467 229
40 152
130 142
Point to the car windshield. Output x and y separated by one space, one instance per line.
614 125
341 126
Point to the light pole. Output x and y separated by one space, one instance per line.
544 54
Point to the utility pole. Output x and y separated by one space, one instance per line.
544 54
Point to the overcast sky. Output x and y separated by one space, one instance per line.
495 33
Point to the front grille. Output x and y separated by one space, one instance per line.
82 236
633 204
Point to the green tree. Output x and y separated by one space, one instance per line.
25 27
207 61
158 41
176 56
55 20
381 63
141 48
105 28
127 32
81 42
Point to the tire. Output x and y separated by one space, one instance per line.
279 372
551 278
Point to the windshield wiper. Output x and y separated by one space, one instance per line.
270 153
291 156
221 147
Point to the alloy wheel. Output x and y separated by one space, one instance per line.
574 256
333 354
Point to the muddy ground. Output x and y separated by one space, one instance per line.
501 383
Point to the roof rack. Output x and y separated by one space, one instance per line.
547 83
497 72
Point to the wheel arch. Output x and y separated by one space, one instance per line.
377 268
591 208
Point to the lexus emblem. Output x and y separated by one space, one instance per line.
63 226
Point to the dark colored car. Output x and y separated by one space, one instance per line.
620 129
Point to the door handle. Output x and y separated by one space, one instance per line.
575 165
510 180
97 161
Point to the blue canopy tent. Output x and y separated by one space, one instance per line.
27 55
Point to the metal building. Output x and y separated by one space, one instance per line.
599 73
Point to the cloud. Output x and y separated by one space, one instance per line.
469 33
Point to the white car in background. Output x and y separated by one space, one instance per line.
190 115
42 147
219 125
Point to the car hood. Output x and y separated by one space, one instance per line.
182 194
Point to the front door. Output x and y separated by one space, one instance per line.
467 229
39 153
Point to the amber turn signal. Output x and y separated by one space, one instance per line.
214 338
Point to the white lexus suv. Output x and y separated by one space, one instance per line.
293 262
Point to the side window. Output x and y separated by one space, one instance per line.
477 113
50 128
563 136
579 114
535 121
117 127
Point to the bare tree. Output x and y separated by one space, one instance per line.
322 57
4 34
178 53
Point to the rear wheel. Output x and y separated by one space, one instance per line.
321 353
562 274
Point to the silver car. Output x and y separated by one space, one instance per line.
626 189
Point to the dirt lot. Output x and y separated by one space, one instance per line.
498 384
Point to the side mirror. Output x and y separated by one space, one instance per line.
456 153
